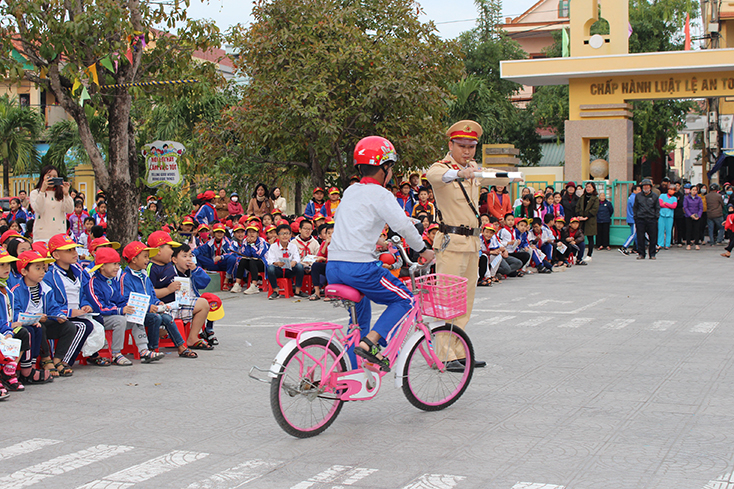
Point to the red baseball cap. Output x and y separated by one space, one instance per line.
10 233
41 248
270 228
160 238
318 189
202 227
209 195
31 256
188 220
216 311
218 227
6 257
98 242
241 227
334 190
135 248
105 255
276 211
61 242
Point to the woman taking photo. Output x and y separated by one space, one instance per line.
52 203
260 204
586 209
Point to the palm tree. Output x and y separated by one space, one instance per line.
20 127
64 142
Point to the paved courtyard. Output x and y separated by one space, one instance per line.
617 375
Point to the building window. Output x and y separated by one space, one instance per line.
25 99
563 8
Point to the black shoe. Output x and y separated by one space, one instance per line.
301 294
477 363
274 295
454 366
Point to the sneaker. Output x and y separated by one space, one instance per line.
623 250
274 295
236 289
252 289
587 259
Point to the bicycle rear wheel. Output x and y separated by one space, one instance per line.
425 386
300 404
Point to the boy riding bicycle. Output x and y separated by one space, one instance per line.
363 212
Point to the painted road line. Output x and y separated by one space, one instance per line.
575 322
24 447
545 302
435 481
587 306
535 321
60 465
619 323
146 470
495 320
236 476
329 475
725 481
535 485
661 325
356 475
704 327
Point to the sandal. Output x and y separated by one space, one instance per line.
201 345
314 297
4 394
11 382
99 361
121 360
63 370
37 377
147 356
52 370
188 354
371 355
329 299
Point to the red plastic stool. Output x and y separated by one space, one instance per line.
262 281
285 287
128 347
307 285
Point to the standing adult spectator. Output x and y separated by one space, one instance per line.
51 203
260 204
278 200
679 217
604 221
456 191
498 202
668 203
24 203
586 209
221 205
702 191
646 210
715 215
569 201
693 209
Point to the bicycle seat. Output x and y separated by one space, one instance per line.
345 292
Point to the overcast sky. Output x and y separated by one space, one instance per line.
451 17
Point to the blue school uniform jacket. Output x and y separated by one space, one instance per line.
22 297
206 214
312 208
255 250
205 253
14 279
129 282
5 319
104 295
56 284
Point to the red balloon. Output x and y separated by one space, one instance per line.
387 258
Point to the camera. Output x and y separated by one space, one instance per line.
56 181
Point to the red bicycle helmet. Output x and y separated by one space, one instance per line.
374 151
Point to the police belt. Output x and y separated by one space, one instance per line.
460 230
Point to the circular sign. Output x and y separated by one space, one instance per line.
596 41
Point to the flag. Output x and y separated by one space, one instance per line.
687 45
92 71
107 63
565 43
129 55
629 30
76 86
85 96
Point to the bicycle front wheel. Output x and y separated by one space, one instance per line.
302 403
425 386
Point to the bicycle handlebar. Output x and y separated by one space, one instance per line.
412 266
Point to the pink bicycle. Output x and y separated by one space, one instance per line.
312 375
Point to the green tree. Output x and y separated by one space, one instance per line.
323 74
20 128
67 42
63 137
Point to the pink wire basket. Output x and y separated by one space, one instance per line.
445 296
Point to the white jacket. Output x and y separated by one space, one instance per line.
363 213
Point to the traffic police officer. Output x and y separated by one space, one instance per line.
456 191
